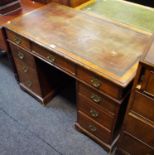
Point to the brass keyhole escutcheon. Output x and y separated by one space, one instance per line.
20 55
29 83
92 128
94 113
96 83
51 58
25 69
96 98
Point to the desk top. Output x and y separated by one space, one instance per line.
108 49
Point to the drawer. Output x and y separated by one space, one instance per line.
133 146
91 110
18 40
143 105
94 128
140 129
100 83
54 59
148 82
102 101
28 77
21 55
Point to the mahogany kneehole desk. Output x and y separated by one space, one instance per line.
100 55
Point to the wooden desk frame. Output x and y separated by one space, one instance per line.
101 95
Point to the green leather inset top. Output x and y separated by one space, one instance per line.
136 16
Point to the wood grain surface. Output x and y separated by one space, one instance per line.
103 47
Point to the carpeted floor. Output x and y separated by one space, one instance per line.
28 128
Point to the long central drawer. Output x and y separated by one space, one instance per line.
54 59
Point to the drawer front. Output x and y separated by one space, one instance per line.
102 101
54 59
28 77
99 83
22 55
93 128
133 146
95 113
148 82
18 40
140 129
143 105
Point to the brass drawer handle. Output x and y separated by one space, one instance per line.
25 69
51 58
96 98
20 55
17 41
96 83
29 83
94 113
92 128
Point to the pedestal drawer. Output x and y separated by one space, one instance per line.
143 105
98 99
91 110
100 83
140 128
28 77
94 128
18 40
22 56
31 82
